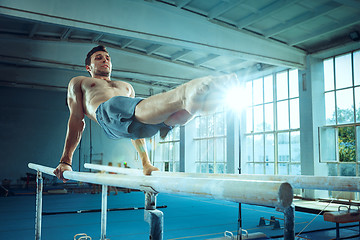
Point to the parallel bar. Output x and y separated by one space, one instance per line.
332 183
268 193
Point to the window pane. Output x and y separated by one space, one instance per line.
330 108
356 58
171 151
357 103
358 142
259 148
295 169
269 147
282 169
210 120
220 151
211 150
220 168
348 170
203 149
165 153
204 168
203 126
249 92
328 144
282 85
258 91
250 168
177 151
282 115
345 106
294 113
211 168
269 117
343 71
268 89
197 167
219 124
283 147
258 119
249 148
249 122
259 168
293 83
347 144
177 167
198 150
332 169
295 146
176 131
270 168
329 74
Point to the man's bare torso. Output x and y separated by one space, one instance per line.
96 91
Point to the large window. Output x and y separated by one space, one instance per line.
210 143
339 139
273 124
168 149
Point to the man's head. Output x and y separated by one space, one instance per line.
98 62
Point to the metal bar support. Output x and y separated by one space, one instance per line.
104 193
39 190
154 217
289 222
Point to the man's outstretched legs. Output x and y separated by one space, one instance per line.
178 106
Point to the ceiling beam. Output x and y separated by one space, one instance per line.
152 48
97 38
127 42
205 59
179 54
350 3
325 30
307 16
223 7
34 30
65 35
157 23
264 12
182 3
145 79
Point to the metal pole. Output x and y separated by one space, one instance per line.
103 211
154 217
289 223
39 190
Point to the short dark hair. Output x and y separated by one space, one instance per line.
94 50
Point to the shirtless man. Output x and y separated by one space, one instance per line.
112 104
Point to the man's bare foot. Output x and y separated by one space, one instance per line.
205 94
147 169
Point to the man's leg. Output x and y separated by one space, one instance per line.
179 105
140 146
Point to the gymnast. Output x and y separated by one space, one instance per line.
113 105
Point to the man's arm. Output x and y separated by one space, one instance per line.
140 145
76 125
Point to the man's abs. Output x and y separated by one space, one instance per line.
96 91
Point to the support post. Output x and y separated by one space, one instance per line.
103 211
39 190
289 222
153 216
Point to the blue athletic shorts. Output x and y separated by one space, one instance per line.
117 117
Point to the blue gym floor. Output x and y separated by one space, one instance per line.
184 218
